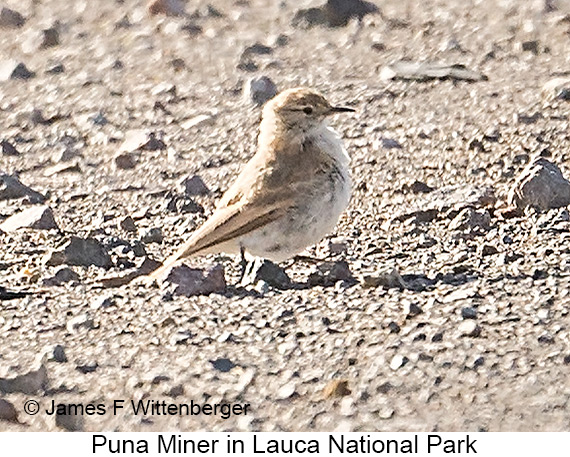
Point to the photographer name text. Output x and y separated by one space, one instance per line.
148 408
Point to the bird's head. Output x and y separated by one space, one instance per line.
300 109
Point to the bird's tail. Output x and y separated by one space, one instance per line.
161 272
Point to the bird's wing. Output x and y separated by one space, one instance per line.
228 223
249 204
232 222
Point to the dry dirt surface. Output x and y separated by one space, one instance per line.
451 311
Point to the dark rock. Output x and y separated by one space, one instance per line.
468 312
152 235
419 187
487 249
147 266
12 69
334 13
88 366
256 49
128 224
530 46
138 249
478 362
412 309
159 379
99 119
194 186
183 204
546 338
471 219
61 276
36 217
37 117
192 29
6 294
476 145
166 7
8 149
55 69
125 161
41 39
387 280
11 188
223 365
394 327
281 40
539 274
58 354
378 46
329 273
53 258
50 38
85 252
82 321
10 19
427 71
141 140
528 119
541 185
437 337
29 383
418 282
175 391
247 65
178 64
265 270
70 421
181 337
260 89
103 303
8 412
192 281
389 143
123 23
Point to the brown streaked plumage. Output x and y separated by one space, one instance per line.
289 195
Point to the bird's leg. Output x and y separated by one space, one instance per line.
243 264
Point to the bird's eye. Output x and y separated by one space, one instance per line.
308 110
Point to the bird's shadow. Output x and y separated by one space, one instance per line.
233 291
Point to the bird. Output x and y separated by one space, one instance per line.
289 195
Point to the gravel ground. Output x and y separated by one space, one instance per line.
456 315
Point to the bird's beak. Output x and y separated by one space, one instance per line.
341 109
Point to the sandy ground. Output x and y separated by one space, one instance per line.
476 340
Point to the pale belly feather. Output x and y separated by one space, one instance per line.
314 217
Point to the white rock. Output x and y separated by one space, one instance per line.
197 121
286 391
557 88
36 217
